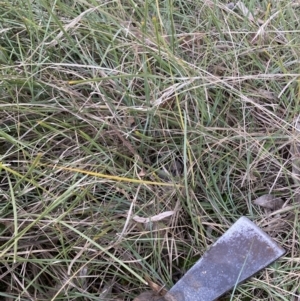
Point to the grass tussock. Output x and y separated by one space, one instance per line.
112 110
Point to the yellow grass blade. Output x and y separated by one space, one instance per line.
113 178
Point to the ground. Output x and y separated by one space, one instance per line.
135 133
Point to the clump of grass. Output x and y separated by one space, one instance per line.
124 90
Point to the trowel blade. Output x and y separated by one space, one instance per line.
243 250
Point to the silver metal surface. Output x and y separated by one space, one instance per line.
243 250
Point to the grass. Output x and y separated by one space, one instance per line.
116 109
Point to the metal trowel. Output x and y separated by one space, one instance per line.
243 250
